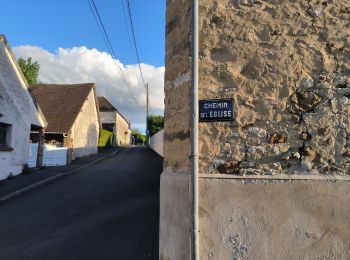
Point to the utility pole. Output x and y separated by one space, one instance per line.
147 115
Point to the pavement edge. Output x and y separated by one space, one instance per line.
53 178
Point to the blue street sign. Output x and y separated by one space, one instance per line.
216 110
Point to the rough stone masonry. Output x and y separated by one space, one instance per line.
275 182
285 63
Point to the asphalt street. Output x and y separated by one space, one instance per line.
108 211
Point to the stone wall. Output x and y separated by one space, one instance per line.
41 141
286 64
85 130
68 143
274 183
123 132
177 86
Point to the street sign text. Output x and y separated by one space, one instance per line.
216 110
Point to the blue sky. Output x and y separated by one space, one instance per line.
62 35
51 24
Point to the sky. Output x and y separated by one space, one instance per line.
63 36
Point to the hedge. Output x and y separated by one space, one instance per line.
105 139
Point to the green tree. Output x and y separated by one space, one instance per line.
30 70
155 124
138 137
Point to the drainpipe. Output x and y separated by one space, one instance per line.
194 131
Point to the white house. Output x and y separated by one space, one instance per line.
71 111
115 122
19 114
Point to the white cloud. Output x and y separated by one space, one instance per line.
80 64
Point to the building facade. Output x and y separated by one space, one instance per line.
274 181
113 121
19 115
72 114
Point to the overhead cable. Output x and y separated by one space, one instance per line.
134 40
110 48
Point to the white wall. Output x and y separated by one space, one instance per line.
16 87
18 110
33 155
248 217
85 130
52 155
11 162
157 142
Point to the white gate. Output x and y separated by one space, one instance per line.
54 156
33 154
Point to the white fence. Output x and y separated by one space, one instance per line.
157 142
52 155
33 153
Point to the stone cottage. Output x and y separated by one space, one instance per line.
19 115
274 182
112 120
72 114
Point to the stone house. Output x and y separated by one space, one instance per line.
19 115
73 117
115 122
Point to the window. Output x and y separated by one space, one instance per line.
5 135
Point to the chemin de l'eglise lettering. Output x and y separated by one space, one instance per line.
215 110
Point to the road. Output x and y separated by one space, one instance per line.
108 211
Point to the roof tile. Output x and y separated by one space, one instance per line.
61 103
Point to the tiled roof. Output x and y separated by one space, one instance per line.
61 103
105 105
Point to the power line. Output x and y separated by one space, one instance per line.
99 26
110 49
126 20
135 45
109 46
134 39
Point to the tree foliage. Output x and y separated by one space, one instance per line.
155 124
138 137
30 70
